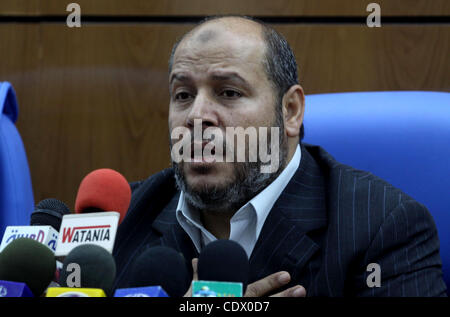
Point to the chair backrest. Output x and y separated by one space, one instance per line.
16 194
400 136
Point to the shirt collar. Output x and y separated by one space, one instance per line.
264 201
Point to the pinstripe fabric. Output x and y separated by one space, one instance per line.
329 223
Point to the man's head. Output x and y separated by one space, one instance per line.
233 72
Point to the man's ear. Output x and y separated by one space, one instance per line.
293 110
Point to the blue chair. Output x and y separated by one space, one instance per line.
400 136
16 194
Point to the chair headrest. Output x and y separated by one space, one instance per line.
8 101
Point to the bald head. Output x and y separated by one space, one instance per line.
240 26
232 37
216 29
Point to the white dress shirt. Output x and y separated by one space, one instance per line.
247 222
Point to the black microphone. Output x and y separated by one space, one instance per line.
27 261
159 266
45 223
222 261
97 268
49 212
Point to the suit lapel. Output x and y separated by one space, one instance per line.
287 241
173 235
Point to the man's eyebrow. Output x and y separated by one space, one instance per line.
216 77
179 77
229 76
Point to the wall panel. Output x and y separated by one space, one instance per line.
97 96
250 7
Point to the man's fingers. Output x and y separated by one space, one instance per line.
194 277
267 284
296 291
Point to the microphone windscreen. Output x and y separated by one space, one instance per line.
224 261
103 190
161 266
28 261
97 268
49 212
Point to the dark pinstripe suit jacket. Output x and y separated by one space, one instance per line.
328 224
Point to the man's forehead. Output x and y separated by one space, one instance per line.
226 38
237 25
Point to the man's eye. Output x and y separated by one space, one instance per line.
228 93
182 96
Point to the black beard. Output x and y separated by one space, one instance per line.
248 182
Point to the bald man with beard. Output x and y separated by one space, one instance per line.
311 227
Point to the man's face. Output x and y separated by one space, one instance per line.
218 77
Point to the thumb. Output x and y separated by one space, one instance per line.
194 268
194 277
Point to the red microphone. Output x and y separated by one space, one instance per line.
103 190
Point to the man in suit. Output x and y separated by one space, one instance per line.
313 226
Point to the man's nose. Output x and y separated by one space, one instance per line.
202 108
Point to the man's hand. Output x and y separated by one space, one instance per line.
264 286
273 282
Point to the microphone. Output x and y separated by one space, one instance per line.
157 272
103 190
102 202
223 270
44 226
49 212
88 270
25 261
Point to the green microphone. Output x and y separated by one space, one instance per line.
27 261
